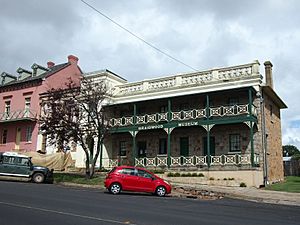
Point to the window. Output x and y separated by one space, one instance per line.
7 108
234 143
233 101
142 173
7 160
4 137
271 110
28 133
163 109
27 106
127 171
162 146
122 148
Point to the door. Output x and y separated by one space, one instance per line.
146 182
211 145
18 138
129 179
184 146
142 149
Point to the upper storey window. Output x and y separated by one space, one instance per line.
7 107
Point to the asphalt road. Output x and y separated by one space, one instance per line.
45 204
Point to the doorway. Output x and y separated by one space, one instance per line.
184 146
18 138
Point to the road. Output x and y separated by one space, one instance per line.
46 204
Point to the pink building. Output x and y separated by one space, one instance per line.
20 102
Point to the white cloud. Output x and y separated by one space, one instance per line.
202 33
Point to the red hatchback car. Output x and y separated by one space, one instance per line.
129 178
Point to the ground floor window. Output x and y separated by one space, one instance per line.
4 137
234 143
162 146
28 134
122 148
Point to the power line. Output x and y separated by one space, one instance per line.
136 36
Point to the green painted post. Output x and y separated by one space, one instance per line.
208 146
134 135
208 132
251 126
169 134
133 147
250 101
252 143
169 148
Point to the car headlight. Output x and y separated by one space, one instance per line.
167 182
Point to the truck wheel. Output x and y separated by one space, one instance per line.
38 178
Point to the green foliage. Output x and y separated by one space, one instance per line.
290 150
170 174
242 184
158 171
296 156
211 178
78 179
225 178
232 178
291 184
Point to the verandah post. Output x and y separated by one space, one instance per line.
208 131
169 135
251 126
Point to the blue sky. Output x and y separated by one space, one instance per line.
202 33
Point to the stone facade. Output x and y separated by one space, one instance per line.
274 141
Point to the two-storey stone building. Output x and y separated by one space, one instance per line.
224 122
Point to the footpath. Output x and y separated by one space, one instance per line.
245 193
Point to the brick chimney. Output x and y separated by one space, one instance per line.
268 73
72 59
50 64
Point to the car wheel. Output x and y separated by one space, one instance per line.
160 191
115 188
38 178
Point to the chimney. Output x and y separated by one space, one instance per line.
268 73
72 59
50 64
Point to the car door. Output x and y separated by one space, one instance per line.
145 182
22 167
128 179
7 166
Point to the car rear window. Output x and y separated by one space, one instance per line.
112 170
127 171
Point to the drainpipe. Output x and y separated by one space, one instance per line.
264 142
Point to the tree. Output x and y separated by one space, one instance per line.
290 150
77 114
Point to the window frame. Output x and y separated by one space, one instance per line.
236 142
4 134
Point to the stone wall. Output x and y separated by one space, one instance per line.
195 135
274 142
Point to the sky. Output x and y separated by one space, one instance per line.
204 34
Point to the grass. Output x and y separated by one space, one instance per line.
78 179
291 184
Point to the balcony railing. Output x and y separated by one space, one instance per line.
221 111
18 115
195 161
247 71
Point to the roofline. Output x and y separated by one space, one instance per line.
103 71
272 94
